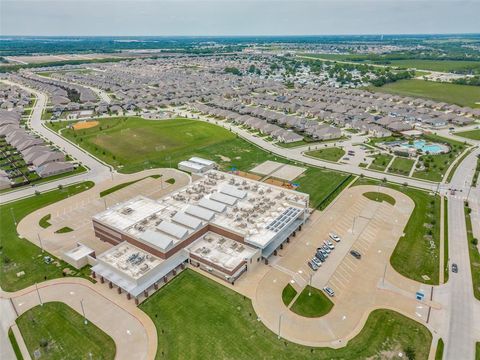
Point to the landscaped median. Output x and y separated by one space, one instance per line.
312 303
473 252
22 262
197 318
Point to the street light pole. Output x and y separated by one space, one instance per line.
279 324
85 321
40 241
13 215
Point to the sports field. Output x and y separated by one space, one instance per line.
218 323
57 331
462 95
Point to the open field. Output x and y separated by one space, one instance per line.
380 162
223 325
401 166
463 95
472 134
19 254
417 253
133 144
330 154
58 332
312 302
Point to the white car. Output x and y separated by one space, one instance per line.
329 291
334 237
329 244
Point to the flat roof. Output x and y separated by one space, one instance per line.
221 251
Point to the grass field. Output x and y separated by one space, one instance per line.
133 144
58 332
288 294
471 134
462 95
377 196
312 302
380 162
218 323
446 270
414 255
474 255
19 254
401 166
437 165
330 154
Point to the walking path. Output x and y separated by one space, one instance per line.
133 332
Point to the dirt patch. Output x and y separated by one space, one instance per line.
284 184
85 125
248 175
223 158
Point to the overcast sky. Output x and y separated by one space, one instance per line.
237 17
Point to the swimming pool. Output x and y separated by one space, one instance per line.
425 147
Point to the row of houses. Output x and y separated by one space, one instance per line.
34 151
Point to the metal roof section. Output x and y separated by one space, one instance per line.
202 161
284 219
157 239
187 220
172 229
233 191
191 165
212 205
200 212
226 199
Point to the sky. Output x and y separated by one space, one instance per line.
237 17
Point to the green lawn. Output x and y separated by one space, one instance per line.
437 165
18 254
457 164
44 221
463 95
414 254
218 323
477 351
122 185
378 196
474 255
401 166
472 134
312 302
58 332
380 162
288 294
330 154
16 348
64 230
439 350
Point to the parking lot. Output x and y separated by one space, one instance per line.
360 285
76 212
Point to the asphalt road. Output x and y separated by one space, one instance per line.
97 170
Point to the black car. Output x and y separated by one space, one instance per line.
454 268
356 254
320 256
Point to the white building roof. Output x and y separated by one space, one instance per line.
202 161
173 229
200 212
187 220
212 205
226 199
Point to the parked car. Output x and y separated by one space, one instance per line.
334 237
320 256
316 261
329 291
356 254
329 244
454 268
312 266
